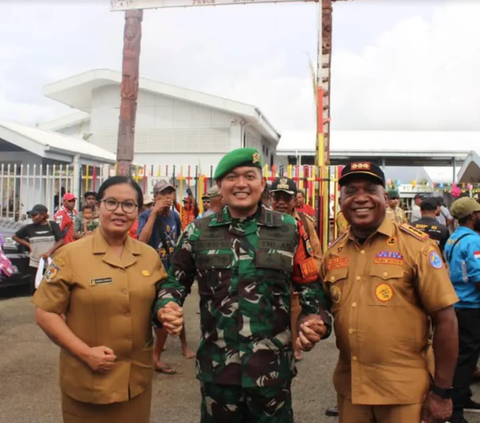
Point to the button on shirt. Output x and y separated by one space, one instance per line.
464 265
380 293
107 301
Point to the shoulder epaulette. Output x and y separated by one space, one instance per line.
337 240
416 233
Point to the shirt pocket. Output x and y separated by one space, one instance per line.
214 273
335 283
384 286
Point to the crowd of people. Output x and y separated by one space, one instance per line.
403 299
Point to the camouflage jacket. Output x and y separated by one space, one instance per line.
244 270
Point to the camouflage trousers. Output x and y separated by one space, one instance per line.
234 404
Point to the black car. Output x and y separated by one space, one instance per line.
17 254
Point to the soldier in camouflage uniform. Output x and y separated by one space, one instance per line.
394 212
245 259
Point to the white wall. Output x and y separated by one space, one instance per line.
163 124
78 130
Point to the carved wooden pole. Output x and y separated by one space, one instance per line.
129 90
327 9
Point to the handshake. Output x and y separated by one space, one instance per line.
171 317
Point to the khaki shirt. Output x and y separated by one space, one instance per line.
107 302
312 236
381 292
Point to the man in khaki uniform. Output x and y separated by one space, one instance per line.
283 200
384 281
394 211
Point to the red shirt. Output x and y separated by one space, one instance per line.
308 210
133 230
65 219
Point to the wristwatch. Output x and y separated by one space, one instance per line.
443 393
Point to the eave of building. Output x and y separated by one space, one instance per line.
65 121
76 92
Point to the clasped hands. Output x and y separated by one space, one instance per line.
311 329
171 317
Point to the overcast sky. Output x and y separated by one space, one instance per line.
399 64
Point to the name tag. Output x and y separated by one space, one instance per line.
100 281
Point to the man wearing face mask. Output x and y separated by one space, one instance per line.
463 256
384 280
283 200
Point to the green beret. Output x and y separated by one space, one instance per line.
393 193
236 158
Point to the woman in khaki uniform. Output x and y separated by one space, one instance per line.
104 285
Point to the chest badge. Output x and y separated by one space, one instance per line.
384 292
336 294
392 241
145 273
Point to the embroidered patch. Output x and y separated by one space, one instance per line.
476 254
427 250
435 260
389 257
392 241
51 272
384 292
337 263
336 294
100 281
145 273
308 247
308 268
59 262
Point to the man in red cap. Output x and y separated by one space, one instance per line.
65 218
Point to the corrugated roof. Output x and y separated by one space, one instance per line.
59 142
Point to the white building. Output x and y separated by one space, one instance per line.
174 126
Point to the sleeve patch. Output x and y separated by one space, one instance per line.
435 260
416 233
309 269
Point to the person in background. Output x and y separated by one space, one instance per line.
283 192
105 285
429 223
216 202
147 204
266 198
160 227
56 199
65 218
394 212
205 205
463 256
42 238
444 217
90 222
89 199
303 207
189 211
416 214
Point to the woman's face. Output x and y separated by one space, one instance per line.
118 209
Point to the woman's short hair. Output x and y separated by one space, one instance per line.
119 180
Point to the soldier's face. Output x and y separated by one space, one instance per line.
242 189
393 202
363 204
283 202
117 222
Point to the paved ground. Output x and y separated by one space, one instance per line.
28 374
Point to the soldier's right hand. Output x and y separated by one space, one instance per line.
100 359
171 317
161 204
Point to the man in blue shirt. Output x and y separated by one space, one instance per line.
160 227
463 256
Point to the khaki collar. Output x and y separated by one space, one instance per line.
129 256
387 228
